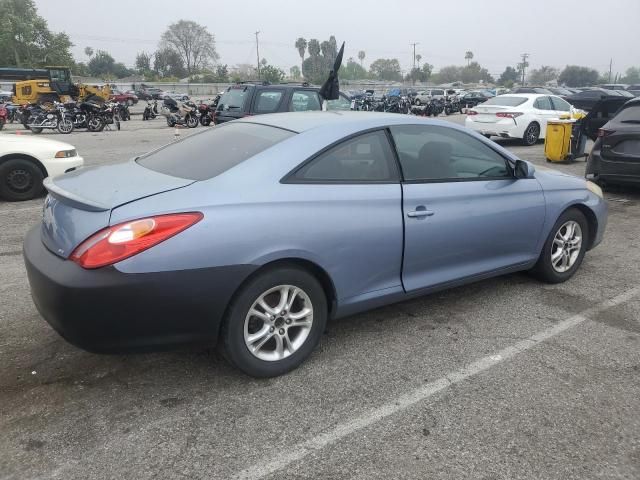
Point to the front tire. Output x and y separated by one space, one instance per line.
564 249
531 134
65 126
20 179
192 121
274 322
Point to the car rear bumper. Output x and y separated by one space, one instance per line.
604 170
105 310
505 128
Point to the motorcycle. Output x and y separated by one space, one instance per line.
54 118
99 116
150 111
452 105
206 114
185 114
122 111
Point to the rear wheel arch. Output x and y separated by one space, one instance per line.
313 268
29 158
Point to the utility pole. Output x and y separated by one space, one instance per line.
413 80
258 53
610 65
524 65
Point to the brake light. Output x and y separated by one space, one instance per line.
508 114
603 132
471 112
124 240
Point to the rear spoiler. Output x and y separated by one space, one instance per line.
72 199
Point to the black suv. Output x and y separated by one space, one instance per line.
256 98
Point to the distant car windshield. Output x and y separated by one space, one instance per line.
232 98
505 101
210 153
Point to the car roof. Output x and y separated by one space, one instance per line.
351 120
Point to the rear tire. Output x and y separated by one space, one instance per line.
546 269
191 121
35 130
296 338
531 134
20 179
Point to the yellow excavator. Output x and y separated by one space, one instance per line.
48 84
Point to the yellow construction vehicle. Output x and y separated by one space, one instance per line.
49 84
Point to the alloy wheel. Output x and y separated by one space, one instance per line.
566 246
278 323
532 134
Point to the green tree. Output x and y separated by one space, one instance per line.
295 73
25 39
473 73
468 56
577 76
508 77
632 75
270 73
168 63
543 75
315 68
418 58
361 56
101 64
448 74
386 69
352 71
143 62
301 46
88 51
192 42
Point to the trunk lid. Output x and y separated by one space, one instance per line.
80 202
487 113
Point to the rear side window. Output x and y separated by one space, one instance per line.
560 105
233 99
267 101
210 153
543 103
303 100
630 114
506 101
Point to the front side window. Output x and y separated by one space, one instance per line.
341 103
267 101
303 100
365 158
429 152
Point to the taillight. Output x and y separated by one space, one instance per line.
124 240
508 114
471 112
603 132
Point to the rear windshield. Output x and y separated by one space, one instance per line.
506 101
233 99
212 152
437 92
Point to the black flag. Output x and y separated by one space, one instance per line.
331 88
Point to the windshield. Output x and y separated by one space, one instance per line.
233 98
210 153
59 75
506 101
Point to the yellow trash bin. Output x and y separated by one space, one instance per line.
557 140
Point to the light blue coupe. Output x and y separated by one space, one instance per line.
257 231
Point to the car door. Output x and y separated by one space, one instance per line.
560 106
465 213
544 111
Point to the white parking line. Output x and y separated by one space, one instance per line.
301 450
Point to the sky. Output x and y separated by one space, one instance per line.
552 32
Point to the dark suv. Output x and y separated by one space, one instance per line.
255 98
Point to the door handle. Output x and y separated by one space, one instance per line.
420 212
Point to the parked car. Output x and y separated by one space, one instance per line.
634 90
256 98
180 97
150 93
586 99
473 98
279 222
516 115
123 97
5 95
25 161
614 86
425 96
560 91
615 156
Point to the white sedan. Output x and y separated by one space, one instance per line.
25 161
515 115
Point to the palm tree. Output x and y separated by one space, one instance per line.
468 56
418 58
361 56
301 45
88 51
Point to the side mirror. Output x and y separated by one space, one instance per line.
523 169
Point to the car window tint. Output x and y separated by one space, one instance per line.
543 103
212 152
504 101
560 104
437 92
631 114
233 98
341 103
365 158
303 100
267 101
428 152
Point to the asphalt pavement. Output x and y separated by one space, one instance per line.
502 379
